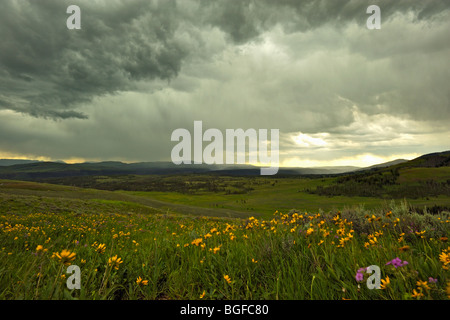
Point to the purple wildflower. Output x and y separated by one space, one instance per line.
431 280
360 274
359 277
397 262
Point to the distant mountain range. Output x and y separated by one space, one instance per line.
11 162
34 170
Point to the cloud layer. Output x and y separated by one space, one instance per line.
139 69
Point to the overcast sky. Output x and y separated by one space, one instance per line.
339 93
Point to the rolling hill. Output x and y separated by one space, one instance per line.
422 177
42 170
11 162
423 182
33 170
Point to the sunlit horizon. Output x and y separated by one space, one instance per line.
363 160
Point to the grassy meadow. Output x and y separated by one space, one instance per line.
261 196
298 255
224 241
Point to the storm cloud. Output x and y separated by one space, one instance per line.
139 69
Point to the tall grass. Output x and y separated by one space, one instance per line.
295 255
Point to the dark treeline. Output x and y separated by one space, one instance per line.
187 184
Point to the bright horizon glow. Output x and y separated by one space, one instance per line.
362 160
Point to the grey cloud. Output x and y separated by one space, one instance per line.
49 71
138 69
246 19
54 70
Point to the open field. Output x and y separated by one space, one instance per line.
209 245
166 256
260 195
423 182
37 197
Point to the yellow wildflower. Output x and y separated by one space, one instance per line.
227 278
445 259
385 283
139 281
66 257
423 284
197 241
215 250
40 248
115 262
417 294
342 242
101 248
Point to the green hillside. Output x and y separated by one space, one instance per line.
423 182
421 178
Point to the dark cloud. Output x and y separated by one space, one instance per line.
138 69
246 19
48 71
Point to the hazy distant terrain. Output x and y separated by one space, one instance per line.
11 162
423 182
34 170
